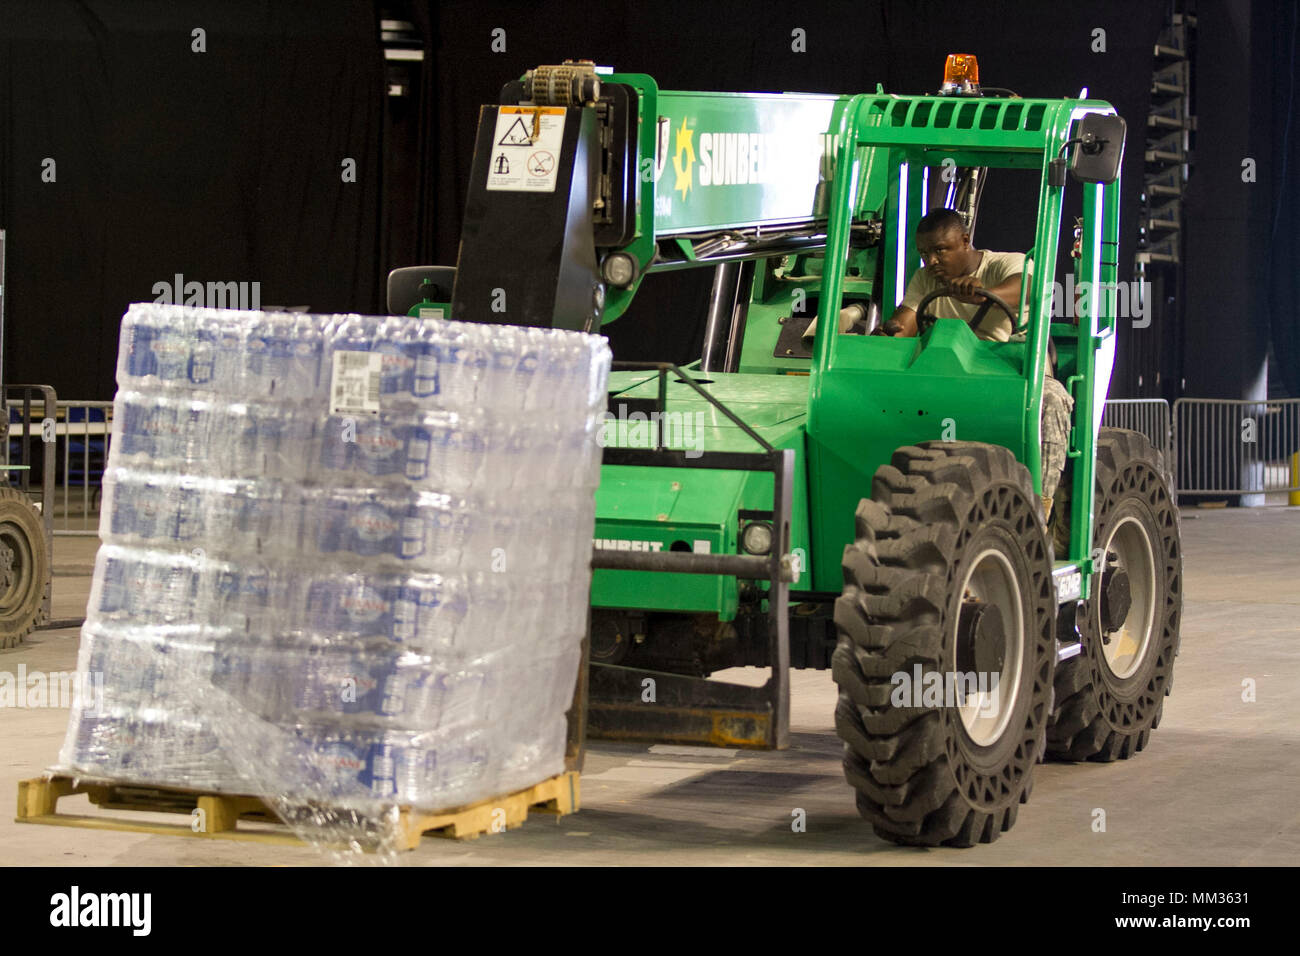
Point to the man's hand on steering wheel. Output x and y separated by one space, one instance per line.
968 286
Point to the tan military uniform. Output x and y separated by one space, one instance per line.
1057 407
994 269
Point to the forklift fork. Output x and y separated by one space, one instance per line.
628 703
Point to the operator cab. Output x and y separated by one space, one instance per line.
920 178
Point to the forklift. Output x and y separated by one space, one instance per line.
861 502
26 530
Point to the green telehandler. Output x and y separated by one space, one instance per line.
867 503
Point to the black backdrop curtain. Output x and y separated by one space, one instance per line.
1284 225
223 166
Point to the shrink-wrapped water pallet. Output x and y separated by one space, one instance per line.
345 558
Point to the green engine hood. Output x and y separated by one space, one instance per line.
689 509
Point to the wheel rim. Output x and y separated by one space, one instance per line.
991 580
17 578
1127 644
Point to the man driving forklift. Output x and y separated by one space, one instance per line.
949 262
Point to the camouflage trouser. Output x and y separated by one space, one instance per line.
1057 406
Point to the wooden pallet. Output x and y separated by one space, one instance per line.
221 813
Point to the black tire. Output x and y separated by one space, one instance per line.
24 577
1101 714
921 778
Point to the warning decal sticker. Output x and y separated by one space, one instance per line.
525 154
517 135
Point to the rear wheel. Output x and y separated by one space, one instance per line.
24 567
946 645
1110 697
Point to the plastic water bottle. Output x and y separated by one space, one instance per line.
498 388
419 446
230 335
425 383
361 522
458 450
397 340
462 362
306 382
488 613
298 445
252 517
216 343
144 587
448 521
189 495
173 344
355 604
203 358
381 445
268 350
132 421
271 441
528 377
247 597
196 437
509 446
343 757
136 359
429 611
337 446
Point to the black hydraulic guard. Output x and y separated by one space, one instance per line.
529 257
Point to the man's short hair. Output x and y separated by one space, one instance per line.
941 220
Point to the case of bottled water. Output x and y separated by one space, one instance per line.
344 559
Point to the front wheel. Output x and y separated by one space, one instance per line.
1110 697
946 645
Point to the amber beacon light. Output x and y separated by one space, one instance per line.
961 74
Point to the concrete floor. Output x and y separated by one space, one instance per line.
1216 787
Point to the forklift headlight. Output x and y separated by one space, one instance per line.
619 269
756 538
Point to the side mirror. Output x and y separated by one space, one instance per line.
1100 149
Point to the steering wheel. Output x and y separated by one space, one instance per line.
925 319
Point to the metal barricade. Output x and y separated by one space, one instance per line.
1236 447
75 438
85 430
29 412
1150 417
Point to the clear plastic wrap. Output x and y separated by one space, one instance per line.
345 561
